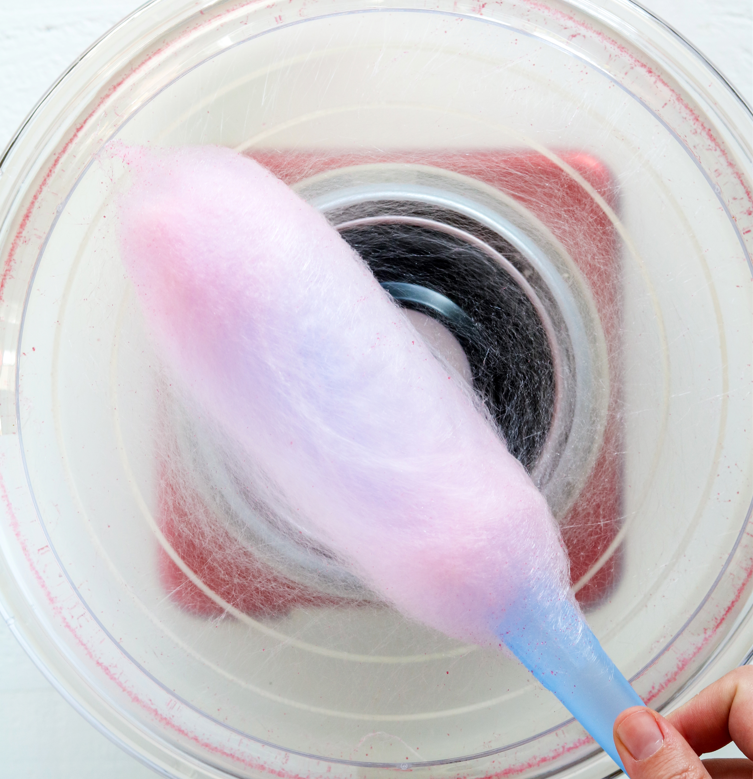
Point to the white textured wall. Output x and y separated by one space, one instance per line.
41 736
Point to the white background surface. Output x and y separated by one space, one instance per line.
40 734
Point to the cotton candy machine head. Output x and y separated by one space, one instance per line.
560 197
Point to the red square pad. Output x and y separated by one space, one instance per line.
567 207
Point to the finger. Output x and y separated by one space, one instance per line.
651 748
719 714
734 768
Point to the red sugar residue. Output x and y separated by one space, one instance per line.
683 663
21 239
686 659
113 674
702 128
479 8
537 762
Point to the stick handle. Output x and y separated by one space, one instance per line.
559 649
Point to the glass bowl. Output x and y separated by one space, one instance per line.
602 170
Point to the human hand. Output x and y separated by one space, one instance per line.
652 747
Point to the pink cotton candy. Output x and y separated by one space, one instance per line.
281 334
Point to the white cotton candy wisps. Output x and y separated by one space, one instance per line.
282 334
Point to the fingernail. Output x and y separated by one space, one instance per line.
640 734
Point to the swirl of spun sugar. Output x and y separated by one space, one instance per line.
279 332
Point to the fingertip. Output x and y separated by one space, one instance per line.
638 732
623 715
651 748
